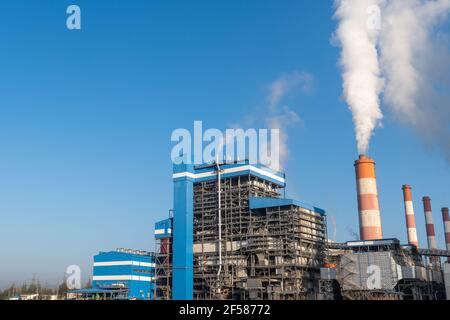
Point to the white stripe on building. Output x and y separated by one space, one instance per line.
163 231
123 278
229 170
124 263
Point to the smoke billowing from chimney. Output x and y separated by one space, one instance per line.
392 46
415 59
362 83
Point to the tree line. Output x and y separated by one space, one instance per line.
35 287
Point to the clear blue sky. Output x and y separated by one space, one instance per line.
86 118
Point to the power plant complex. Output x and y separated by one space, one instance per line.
232 234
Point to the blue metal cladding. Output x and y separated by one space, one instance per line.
134 271
208 172
163 229
183 198
122 256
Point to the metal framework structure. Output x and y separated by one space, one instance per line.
236 237
416 290
163 269
416 282
268 253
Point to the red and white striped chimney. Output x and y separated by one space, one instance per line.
431 235
446 218
409 214
368 206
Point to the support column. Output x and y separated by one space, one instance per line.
183 220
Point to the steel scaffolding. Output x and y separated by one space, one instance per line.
403 275
269 253
163 269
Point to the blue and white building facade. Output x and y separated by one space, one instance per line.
125 269
163 229
185 178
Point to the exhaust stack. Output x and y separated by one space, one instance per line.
368 205
446 218
431 235
409 214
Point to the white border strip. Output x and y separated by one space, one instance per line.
162 231
123 263
123 278
230 170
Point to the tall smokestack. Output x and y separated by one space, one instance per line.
368 206
409 213
431 235
446 218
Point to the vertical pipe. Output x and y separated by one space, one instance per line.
154 273
431 235
220 218
446 218
368 206
409 215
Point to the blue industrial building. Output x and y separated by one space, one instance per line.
128 273
184 176
163 229
196 238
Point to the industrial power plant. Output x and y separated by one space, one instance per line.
232 234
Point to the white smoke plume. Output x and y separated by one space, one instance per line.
415 58
406 53
281 116
288 82
362 83
276 114
282 120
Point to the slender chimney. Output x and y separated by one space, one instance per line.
446 218
368 206
431 235
409 213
